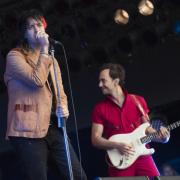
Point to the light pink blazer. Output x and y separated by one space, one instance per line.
29 93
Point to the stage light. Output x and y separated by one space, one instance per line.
121 17
146 7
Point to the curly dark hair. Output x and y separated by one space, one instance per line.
115 71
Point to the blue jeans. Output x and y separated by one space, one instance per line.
33 155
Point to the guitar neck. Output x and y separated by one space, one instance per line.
173 126
149 137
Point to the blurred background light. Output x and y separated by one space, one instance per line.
121 17
146 7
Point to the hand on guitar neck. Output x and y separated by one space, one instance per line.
162 136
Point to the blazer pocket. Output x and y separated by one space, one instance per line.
25 121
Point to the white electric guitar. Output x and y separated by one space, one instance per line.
137 139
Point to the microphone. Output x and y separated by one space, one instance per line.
53 41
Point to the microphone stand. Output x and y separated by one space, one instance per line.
61 120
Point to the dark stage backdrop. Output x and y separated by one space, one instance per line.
153 73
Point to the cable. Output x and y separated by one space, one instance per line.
73 107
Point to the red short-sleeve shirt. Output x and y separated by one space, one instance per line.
117 120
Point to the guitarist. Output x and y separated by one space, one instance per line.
121 113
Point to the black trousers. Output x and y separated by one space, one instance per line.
33 155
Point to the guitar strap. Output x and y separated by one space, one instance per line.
140 107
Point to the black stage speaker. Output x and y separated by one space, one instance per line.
124 178
169 178
140 178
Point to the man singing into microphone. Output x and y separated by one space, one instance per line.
29 77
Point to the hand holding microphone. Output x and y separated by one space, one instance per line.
42 38
43 41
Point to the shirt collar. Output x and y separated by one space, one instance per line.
109 98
